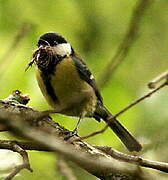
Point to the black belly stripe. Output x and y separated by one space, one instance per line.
47 82
47 64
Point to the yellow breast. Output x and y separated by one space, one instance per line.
72 92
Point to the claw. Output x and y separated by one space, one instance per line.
69 134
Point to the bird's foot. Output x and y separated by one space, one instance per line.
69 134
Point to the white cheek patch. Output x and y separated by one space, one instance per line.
91 77
63 49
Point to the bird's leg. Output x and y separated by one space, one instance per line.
75 131
70 134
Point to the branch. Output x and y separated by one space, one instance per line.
25 145
20 121
141 99
152 84
44 134
25 165
127 42
161 166
137 101
64 169
3 128
8 144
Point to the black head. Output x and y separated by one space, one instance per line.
51 39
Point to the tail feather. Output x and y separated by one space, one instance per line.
125 136
128 140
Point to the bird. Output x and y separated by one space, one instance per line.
67 84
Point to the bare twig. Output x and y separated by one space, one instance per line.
152 84
127 42
123 110
64 169
134 159
25 165
141 99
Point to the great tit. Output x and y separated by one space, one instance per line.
68 84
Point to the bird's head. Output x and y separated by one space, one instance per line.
55 40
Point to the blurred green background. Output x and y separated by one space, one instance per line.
95 29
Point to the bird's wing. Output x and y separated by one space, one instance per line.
86 75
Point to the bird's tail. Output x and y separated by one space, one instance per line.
125 136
